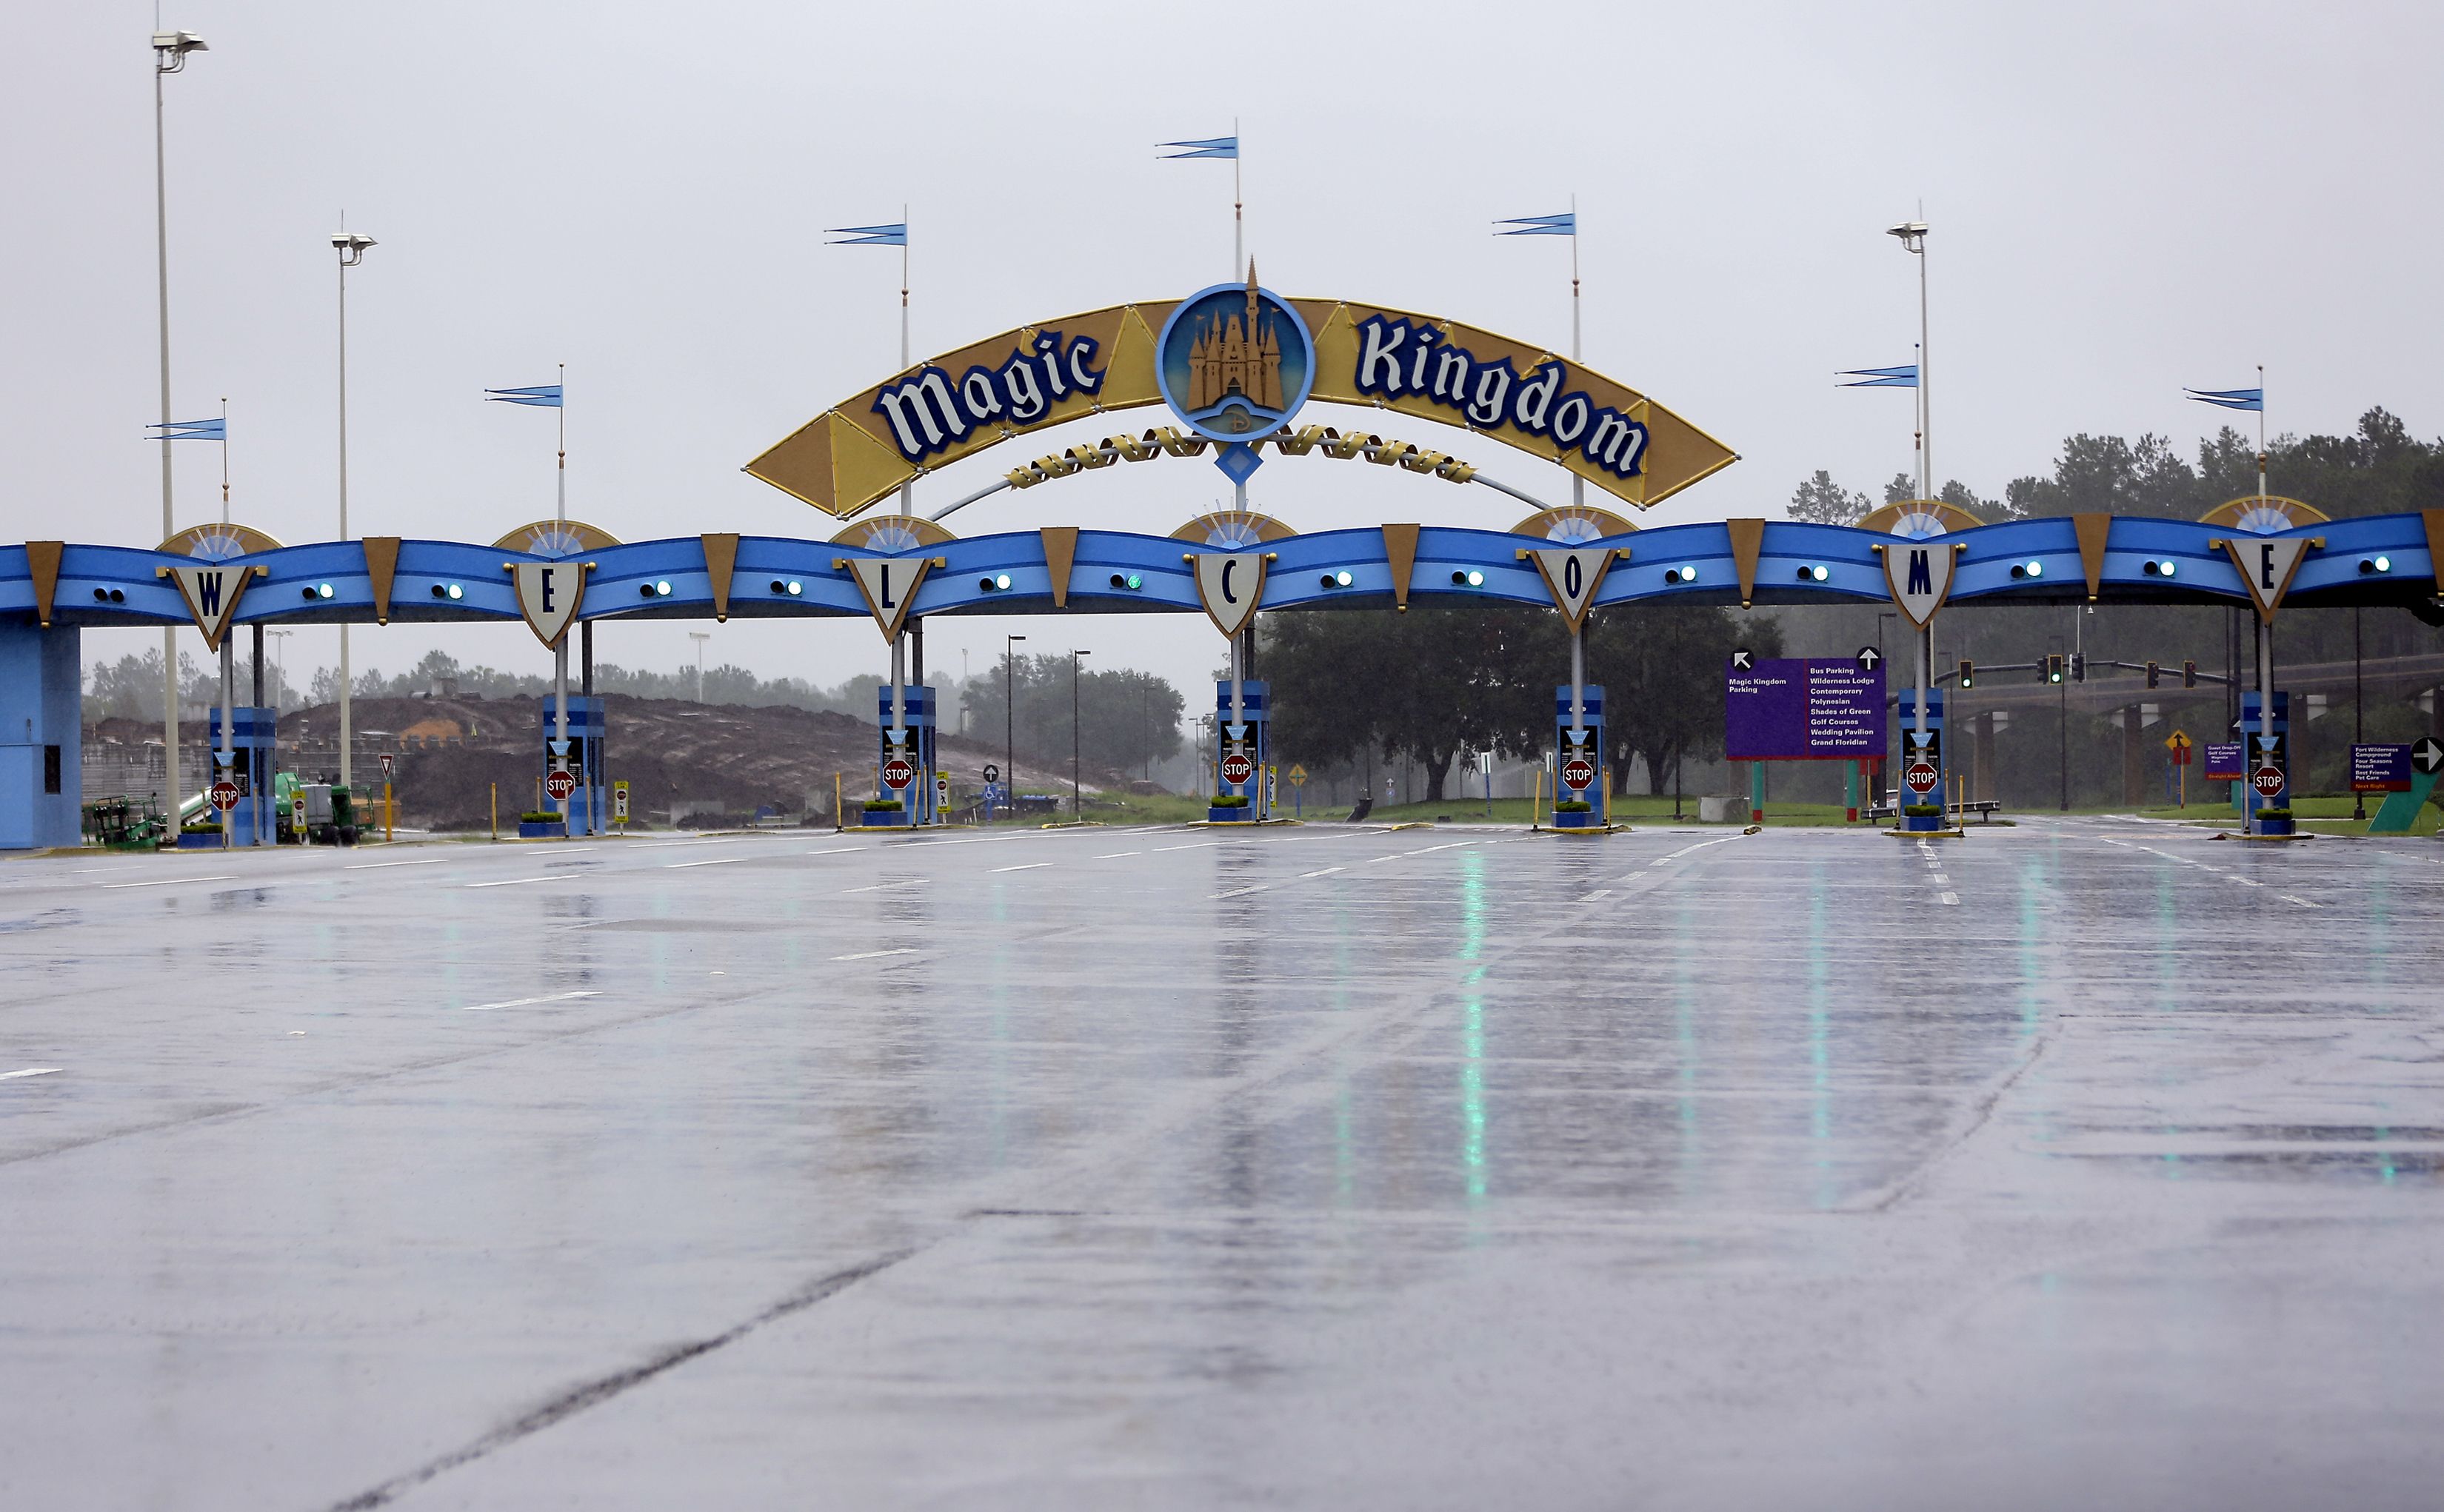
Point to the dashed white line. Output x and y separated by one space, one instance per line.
1326 872
1025 866
664 845
1601 892
378 866
870 955
1195 846
513 881
1116 855
528 1002
841 850
1241 891
1686 849
913 882
2302 901
168 881
718 860
29 1071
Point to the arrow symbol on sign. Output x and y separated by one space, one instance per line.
2427 756
1744 660
1870 658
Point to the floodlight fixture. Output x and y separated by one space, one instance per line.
1911 235
170 49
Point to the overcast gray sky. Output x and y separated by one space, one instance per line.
2125 198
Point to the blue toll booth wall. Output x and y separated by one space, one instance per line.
253 744
589 807
1591 704
42 737
2246 799
1905 734
918 794
1255 741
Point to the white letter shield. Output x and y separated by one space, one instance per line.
1572 575
1229 584
1919 573
2267 566
889 584
549 595
211 591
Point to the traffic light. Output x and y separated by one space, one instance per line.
2053 669
2152 674
1967 672
2189 674
2079 666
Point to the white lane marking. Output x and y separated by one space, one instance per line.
1953 899
2249 881
1686 849
913 882
664 845
1372 860
167 881
2302 901
512 881
1601 892
29 1071
718 860
1197 845
1241 891
1326 872
1024 866
841 850
79 870
870 955
558 850
1116 855
528 1002
378 866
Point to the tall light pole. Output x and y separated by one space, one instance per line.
1911 235
1077 808
1009 716
700 636
170 49
351 247
280 664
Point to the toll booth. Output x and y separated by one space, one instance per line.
589 805
1930 754
1244 750
918 795
254 738
40 737
2245 797
1578 766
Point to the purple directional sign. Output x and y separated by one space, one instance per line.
1793 709
2224 762
2380 768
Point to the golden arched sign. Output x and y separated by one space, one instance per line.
955 406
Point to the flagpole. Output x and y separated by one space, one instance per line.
560 505
1578 485
2264 631
907 508
225 459
1238 207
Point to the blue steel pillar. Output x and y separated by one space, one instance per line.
253 742
42 736
1255 701
1910 751
1591 700
589 807
918 795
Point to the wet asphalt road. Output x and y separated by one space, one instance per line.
2090 1163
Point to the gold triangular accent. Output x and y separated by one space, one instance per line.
43 560
381 567
1748 540
1400 550
720 561
1060 553
2094 531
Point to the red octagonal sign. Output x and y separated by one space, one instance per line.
224 794
1237 767
898 772
560 784
1920 776
2267 780
1578 774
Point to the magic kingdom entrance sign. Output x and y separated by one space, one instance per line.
1238 362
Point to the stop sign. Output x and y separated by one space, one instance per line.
897 773
1920 776
1578 774
224 794
560 784
1237 767
2267 781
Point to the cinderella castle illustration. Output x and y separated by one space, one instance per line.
1236 356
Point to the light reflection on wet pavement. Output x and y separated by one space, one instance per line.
2087 1163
